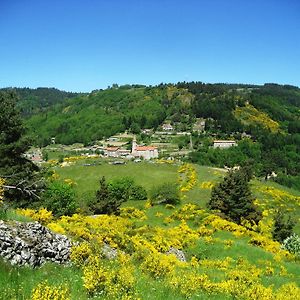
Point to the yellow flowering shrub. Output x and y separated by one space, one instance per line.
188 283
56 228
257 239
207 185
222 264
279 198
158 264
147 246
112 230
288 291
42 215
132 213
148 204
44 291
250 115
115 281
221 224
187 212
2 182
187 177
80 253
204 231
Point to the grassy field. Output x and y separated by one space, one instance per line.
149 175
215 249
144 173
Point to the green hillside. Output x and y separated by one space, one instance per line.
268 114
34 101
102 113
223 260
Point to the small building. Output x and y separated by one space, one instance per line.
224 144
167 127
145 152
123 152
111 151
147 131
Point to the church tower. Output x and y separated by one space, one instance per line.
133 149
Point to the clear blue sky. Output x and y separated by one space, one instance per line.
81 45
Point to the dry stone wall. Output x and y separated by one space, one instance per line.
32 244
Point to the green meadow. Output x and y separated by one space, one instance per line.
18 282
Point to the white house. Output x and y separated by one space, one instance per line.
111 151
167 127
146 152
224 144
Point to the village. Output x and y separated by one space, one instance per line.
125 146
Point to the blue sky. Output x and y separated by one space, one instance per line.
81 45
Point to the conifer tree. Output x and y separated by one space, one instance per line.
18 172
105 202
233 198
283 227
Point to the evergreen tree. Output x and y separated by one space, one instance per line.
233 198
105 201
20 174
283 227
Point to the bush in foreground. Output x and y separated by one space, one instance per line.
60 198
166 193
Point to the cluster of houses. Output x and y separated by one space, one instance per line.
144 152
115 147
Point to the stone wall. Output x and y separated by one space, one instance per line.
32 244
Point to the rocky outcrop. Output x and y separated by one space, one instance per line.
108 252
178 253
32 244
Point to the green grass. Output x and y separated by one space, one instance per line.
17 282
150 175
146 174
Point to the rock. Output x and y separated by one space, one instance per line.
178 253
32 244
16 260
25 254
109 252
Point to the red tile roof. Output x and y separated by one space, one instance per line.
145 148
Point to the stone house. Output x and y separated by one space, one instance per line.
224 144
145 152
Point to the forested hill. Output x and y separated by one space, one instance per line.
34 101
228 108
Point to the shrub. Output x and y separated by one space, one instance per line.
110 196
283 227
125 189
167 193
59 197
115 282
44 291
